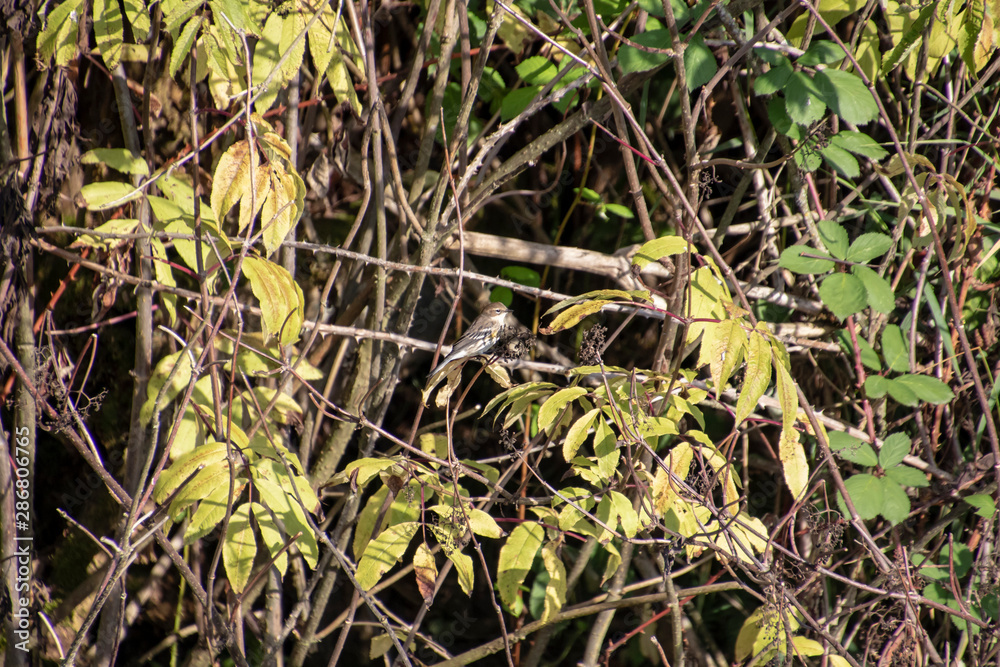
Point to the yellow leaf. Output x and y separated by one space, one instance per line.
725 342
464 569
806 646
575 314
260 186
281 301
165 276
513 32
790 450
275 42
121 226
383 552
757 375
516 558
555 589
239 549
499 375
707 295
232 177
426 570
577 434
279 213
665 489
329 40
271 535
759 630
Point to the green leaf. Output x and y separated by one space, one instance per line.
858 143
577 434
821 52
331 47
271 534
504 295
278 36
235 12
894 349
176 13
627 516
809 158
907 476
977 40
119 159
606 450
138 18
109 31
867 494
620 211
902 393
802 100
276 492
516 558
239 549
552 407
908 40
773 80
171 479
521 275
632 59
845 163
852 449
777 113
794 259
985 504
937 592
383 552
201 486
536 70
868 355
107 195
211 511
517 101
834 237
895 503
868 246
960 559
178 381
894 450
653 251
876 386
699 63
844 294
58 39
184 44
880 294
927 388
481 523
847 96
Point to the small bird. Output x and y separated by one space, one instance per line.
480 337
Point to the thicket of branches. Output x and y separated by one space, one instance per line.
748 416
